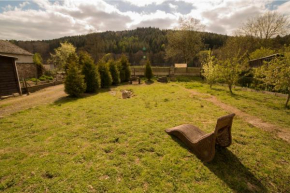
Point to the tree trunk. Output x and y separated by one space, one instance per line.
230 87
287 99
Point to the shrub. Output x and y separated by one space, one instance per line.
106 78
148 71
124 68
37 60
210 70
90 71
92 76
50 73
114 72
74 82
72 60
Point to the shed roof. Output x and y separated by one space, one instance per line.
8 56
9 48
266 57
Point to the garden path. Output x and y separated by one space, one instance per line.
280 132
44 96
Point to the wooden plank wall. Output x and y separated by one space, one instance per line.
8 77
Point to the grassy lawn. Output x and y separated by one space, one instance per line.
269 108
102 143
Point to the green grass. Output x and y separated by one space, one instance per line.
269 108
102 143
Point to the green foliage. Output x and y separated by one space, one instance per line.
74 82
90 72
148 71
210 69
124 68
114 72
34 79
61 54
229 70
106 77
37 60
261 52
44 78
72 60
276 73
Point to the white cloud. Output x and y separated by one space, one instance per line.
74 17
142 3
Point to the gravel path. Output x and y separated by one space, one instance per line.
44 96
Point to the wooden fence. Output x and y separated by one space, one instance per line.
166 71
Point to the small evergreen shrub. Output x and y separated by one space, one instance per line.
114 72
148 71
90 71
106 77
72 60
92 77
124 67
74 82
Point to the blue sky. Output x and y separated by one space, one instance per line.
43 19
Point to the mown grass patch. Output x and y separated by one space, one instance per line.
102 143
268 107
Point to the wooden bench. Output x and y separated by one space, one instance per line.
135 78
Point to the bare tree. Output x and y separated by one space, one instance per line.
185 41
266 26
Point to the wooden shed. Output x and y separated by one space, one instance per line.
9 80
260 61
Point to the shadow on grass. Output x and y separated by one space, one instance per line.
227 167
148 82
67 99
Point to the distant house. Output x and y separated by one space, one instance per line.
184 65
9 80
260 61
24 63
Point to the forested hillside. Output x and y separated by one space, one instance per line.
130 42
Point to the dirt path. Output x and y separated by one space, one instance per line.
44 96
280 132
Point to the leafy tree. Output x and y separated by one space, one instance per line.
61 54
91 73
185 42
37 60
114 72
148 71
277 73
106 77
124 68
74 82
210 70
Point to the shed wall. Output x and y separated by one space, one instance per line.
8 77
